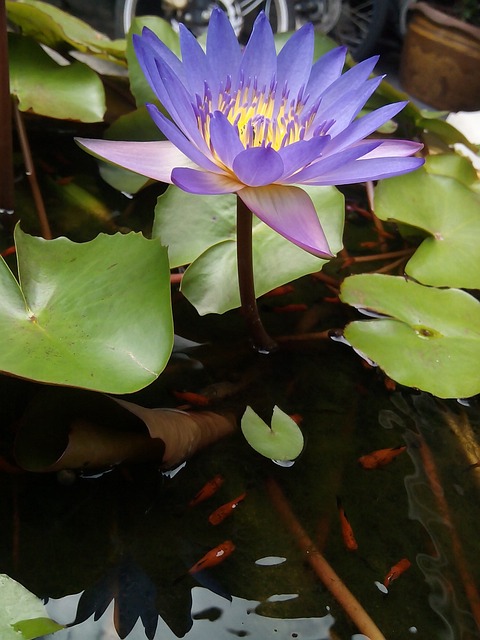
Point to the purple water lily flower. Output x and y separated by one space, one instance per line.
259 124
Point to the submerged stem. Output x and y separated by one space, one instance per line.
262 342
31 174
324 571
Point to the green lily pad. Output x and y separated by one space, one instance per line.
56 28
449 211
72 92
283 441
430 338
22 614
452 165
208 219
202 231
94 315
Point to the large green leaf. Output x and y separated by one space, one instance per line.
430 339
449 210
72 92
190 224
202 231
56 28
22 614
95 315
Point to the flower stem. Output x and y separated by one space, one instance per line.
262 342
31 173
6 145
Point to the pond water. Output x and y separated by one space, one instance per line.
111 552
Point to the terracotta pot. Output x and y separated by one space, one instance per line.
440 61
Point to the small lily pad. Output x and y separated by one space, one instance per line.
429 339
283 441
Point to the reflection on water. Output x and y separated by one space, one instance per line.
441 482
236 619
124 541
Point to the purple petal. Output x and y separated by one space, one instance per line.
314 173
363 170
155 160
290 212
364 126
325 71
171 131
194 62
394 148
298 155
347 107
294 61
148 45
204 182
178 104
223 50
165 85
348 83
258 166
259 58
225 140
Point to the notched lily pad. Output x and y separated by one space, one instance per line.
429 339
283 441
438 199
95 315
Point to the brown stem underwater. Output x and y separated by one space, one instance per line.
31 174
324 571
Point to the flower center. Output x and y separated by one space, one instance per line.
260 117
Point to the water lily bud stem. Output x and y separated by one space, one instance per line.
262 342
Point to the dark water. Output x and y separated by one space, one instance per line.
112 552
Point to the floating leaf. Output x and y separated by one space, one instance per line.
452 165
56 28
431 339
283 441
449 211
22 614
94 315
72 92
202 231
